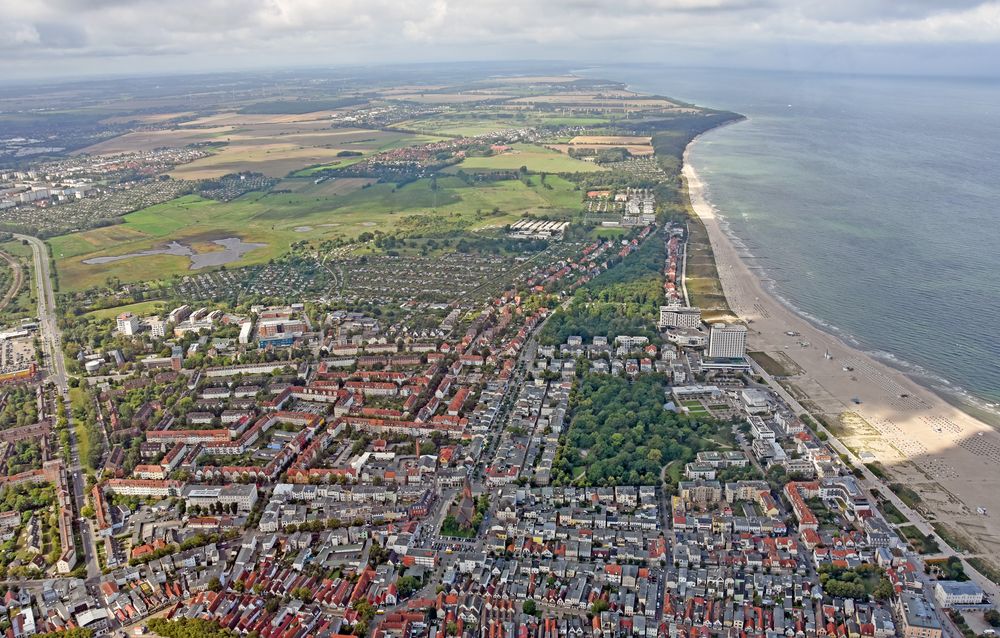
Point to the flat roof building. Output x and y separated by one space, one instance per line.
727 341
917 618
949 593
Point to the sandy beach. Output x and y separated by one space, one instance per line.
948 457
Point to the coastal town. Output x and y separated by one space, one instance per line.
538 425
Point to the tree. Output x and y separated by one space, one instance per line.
884 590
214 584
992 616
529 607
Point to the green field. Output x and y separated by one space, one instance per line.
78 401
470 125
958 540
920 542
608 232
23 303
535 158
280 219
143 309
312 170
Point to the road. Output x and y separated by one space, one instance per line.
52 348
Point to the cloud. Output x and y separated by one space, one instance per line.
44 34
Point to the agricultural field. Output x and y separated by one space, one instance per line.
481 122
276 152
536 158
277 220
274 145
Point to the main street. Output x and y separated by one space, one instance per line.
56 365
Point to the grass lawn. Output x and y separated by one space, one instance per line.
958 541
675 472
986 568
142 309
892 513
607 232
340 163
536 158
771 365
906 494
77 398
921 543
279 219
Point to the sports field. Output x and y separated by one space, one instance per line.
279 219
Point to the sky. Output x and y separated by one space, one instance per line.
65 38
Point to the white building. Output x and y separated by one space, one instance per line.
246 330
727 341
630 342
128 324
205 495
949 593
680 317
157 327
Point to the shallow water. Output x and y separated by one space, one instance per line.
233 249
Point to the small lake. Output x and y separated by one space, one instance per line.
233 248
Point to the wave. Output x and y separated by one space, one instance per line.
947 388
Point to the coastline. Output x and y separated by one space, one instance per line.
927 443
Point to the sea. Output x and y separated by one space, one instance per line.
870 203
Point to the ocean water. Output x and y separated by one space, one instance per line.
872 202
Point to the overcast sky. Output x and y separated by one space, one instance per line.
64 37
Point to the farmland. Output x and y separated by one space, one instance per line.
535 158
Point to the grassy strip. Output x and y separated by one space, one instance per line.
920 542
78 399
878 470
892 513
702 276
771 365
955 539
986 568
906 494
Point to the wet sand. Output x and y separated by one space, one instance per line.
949 457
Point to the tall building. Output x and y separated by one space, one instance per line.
727 341
128 324
157 328
679 317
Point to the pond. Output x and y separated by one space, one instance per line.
233 249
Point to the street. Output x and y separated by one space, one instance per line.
56 366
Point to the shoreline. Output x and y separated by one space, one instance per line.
945 454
